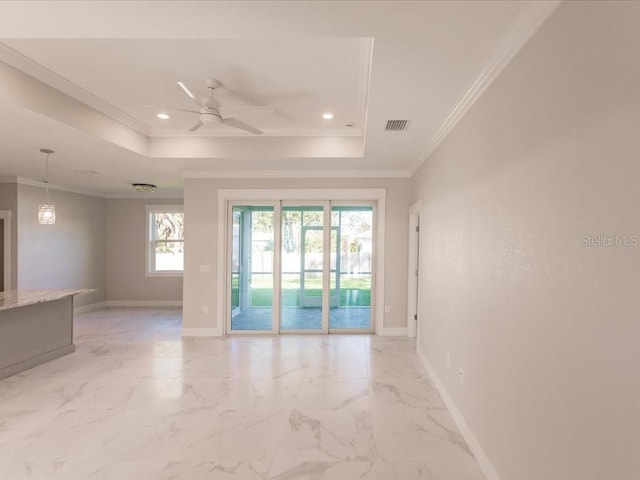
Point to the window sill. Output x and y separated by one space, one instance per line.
164 274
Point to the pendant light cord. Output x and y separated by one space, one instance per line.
46 178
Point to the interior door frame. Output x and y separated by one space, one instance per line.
375 196
414 273
5 215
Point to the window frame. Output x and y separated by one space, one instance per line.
150 240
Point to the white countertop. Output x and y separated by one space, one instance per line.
20 298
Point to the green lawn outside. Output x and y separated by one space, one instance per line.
262 297
354 292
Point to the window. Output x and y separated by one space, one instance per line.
165 239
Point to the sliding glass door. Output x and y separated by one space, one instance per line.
302 260
300 267
351 267
252 267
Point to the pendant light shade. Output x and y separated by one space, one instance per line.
47 211
47 214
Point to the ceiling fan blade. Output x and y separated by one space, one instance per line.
196 125
186 90
245 110
234 122
191 95
266 98
237 94
162 107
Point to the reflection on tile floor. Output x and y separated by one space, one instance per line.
136 401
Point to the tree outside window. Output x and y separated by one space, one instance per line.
166 239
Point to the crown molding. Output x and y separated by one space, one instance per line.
523 28
26 65
51 186
297 174
145 196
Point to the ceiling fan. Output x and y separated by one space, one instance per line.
211 111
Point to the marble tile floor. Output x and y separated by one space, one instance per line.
136 402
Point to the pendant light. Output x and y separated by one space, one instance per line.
47 211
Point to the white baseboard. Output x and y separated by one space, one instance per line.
485 464
393 332
201 332
143 303
88 308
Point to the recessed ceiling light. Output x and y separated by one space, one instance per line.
163 116
327 116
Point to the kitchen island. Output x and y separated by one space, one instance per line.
36 326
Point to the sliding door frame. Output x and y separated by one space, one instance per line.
228 197
228 279
374 275
326 217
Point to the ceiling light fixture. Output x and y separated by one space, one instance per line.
144 187
163 116
47 211
327 116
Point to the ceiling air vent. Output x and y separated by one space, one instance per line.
397 125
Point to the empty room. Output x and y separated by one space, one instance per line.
320 240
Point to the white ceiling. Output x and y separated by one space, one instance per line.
366 62
300 79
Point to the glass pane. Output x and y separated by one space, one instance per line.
235 259
169 256
333 293
312 217
252 268
168 226
351 268
302 275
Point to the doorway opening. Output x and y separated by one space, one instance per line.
413 281
5 250
2 286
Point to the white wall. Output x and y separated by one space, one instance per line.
201 234
95 243
68 254
126 278
546 329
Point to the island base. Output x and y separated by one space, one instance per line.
34 334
